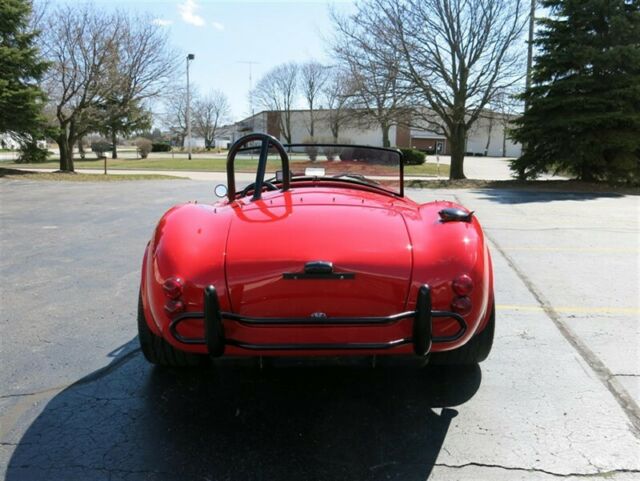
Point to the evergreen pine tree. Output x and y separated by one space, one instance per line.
21 68
583 108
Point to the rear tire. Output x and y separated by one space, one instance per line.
473 352
158 351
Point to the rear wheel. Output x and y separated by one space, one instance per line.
160 352
473 352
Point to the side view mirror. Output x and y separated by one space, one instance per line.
220 190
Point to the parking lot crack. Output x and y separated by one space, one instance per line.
538 470
624 399
606 377
100 373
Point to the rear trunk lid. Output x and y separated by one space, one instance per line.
268 247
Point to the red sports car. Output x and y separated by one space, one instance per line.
332 260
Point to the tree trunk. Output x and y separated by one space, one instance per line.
504 140
66 152
457 143
335 130
385 135
80 148
311 119
586 173
287 132
486 147
114 148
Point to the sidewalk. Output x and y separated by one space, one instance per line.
481 168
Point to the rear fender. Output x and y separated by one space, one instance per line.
189 243
443 251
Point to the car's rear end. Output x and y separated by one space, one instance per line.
325 258
315 272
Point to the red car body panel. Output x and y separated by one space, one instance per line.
243 248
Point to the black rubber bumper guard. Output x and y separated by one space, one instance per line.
215 340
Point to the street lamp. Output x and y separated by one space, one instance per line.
189 57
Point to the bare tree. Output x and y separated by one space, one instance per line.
174 116
278 90
376 85
313 76
209 113
103 67
80 47
456 55
337 95
506 107
144 65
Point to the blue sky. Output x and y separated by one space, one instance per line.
223 33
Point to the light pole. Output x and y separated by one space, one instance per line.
532 22
189 57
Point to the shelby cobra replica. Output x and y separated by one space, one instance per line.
331 261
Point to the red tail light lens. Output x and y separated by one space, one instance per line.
172 287
461 305
173 307
462 285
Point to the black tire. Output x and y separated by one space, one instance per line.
158 351
473 352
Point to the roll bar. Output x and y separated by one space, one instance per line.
266 141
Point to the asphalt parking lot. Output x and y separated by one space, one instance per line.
558 396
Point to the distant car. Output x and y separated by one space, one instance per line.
332 260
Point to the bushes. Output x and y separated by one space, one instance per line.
100 147
346 153
311 150
413 156
144 147
31 153
160 147
330 151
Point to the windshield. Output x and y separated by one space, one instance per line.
372 166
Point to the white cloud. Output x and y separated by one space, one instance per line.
218 25
188 13
162 22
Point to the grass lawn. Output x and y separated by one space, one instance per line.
210 165
23 174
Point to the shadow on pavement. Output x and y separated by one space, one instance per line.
525 196
237 421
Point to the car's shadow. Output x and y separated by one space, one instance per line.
524 196
237 421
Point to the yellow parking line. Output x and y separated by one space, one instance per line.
572 309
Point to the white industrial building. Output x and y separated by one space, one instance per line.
488 136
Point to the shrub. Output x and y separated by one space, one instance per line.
100 147
413 156
31 153
330 151
144 147
346 153
160 147
311 150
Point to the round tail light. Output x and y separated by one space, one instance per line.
173 306
172 287
461 305
462 285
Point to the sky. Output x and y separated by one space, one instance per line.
223 35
